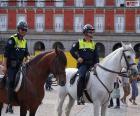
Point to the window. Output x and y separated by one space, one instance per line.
39 23
22 3
3 22
59 23
40 3
137 24
59 3
100 3
21 18
3 3
119 24
78 23
120 3
99 23
79 3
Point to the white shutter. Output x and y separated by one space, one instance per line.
119 24
40 3
22 3
78 23
3 3
39 23
59 23
79 3
99 23
119 2
59 3
138 24
100 3
3 22
21 18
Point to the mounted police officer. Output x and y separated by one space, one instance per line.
15 52
85 52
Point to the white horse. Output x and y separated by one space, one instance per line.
99 87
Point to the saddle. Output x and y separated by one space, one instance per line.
18 78
73 78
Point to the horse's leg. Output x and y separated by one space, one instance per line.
103 109
1 106
96 108
32 113
23 111
62 95
69 105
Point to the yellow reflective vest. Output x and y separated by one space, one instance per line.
86 44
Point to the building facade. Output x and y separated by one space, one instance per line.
60 22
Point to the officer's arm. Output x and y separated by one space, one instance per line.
8 49
74 50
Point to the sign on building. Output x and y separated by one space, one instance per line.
132 3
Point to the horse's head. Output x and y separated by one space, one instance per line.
128 59
58 66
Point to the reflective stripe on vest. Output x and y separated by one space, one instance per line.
19 43
84 44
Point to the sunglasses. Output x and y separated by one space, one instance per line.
24 30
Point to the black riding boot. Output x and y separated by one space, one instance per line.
80 89
10 95
9 109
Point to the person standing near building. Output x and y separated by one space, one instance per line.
126 87
16 52
85 52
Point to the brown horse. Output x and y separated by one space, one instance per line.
30 95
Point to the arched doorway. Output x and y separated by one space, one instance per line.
101 50
116 46
137 50
59 45
39 47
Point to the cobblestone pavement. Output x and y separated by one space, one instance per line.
48 107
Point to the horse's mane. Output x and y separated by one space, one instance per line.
39 56
126 47
112 54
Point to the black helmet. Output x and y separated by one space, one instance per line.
88 29
22 25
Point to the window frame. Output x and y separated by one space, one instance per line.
103 27
6 24
61 28
36 29
115 27
74 26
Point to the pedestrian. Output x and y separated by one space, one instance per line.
16 52
126 86
115 95
86 54
49 82
134 87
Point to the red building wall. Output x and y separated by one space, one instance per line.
69 13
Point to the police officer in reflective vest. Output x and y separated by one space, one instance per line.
85 52
15 52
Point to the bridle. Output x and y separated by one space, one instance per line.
127 64
119 73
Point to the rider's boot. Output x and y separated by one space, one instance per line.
10 95
80 89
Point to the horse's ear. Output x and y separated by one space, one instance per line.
123 45
57 49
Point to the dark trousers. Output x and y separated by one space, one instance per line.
81 82
117 102
10 82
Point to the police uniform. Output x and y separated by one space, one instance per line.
87 50
15 51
